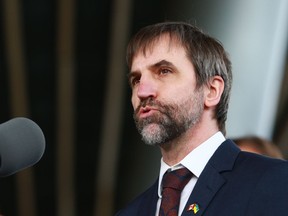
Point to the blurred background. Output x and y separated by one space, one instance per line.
62 64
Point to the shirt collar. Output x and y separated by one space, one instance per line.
196 160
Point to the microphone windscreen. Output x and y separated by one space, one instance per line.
22 144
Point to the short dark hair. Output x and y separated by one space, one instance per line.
207 55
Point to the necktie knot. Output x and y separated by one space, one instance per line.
176 179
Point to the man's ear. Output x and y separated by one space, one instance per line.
214 90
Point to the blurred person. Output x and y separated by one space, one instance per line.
181 81
258 145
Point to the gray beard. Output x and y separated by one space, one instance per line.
171 121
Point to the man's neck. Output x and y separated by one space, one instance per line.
174 151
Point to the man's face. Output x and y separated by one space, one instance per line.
165 101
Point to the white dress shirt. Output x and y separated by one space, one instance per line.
195 161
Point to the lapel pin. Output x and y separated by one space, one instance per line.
193 207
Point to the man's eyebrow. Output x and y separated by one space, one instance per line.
132 74
162 63
155 65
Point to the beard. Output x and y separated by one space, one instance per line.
171 120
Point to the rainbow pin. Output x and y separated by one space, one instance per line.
193 207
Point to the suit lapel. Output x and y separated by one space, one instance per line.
210 181
149 201
205 189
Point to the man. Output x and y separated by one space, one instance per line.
258 145
181 81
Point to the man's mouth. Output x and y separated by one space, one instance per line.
146 111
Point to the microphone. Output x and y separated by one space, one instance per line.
22 144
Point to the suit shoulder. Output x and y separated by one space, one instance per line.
248 157
255 163
271 188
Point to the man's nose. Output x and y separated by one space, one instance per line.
147 88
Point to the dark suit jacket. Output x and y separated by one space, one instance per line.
233 183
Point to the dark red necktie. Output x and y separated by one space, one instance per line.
173 183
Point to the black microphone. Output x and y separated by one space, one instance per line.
22 144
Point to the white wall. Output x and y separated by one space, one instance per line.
255 34
257 45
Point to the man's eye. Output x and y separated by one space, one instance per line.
165 71
134 81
